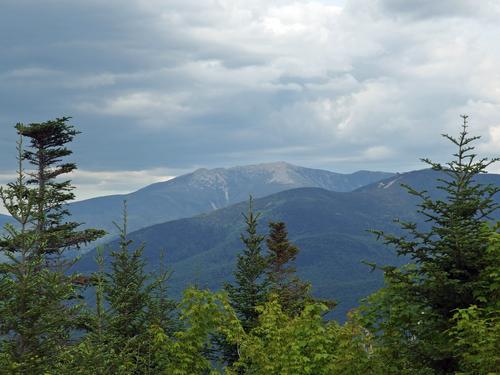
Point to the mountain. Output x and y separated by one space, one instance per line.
329 227
390 190
206 190
4 219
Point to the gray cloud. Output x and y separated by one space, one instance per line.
173 85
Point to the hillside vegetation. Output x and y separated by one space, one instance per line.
437 311
206 190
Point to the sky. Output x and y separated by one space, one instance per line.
159 88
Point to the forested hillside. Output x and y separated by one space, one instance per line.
330 228
206 190
436 312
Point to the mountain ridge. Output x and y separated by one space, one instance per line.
206 190
329 227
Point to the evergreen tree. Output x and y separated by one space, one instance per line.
415 310
250 288
136 301
47 149
292 293
161 310
126 289
38 312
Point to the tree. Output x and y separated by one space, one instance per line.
476 330
126 289
205 315
39 306
414 312
304 344
250 289
136 301
47 148
292 293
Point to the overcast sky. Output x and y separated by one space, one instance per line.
161 87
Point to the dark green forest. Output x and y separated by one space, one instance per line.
437 313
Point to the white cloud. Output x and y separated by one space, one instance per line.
140 104
236 81
93 183
89 184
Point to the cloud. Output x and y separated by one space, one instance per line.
425 9
90 184
180 84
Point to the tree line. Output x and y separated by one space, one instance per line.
438 314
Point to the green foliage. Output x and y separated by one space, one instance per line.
437 315
47 149
126 290
92 357
304 344
398 320
416 308
488 290
35 323
476 336
129 302
203 315
250 288
39 308
476 330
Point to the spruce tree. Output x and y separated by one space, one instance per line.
38 302
136 301
126 289
414 311
292 292
46 152
250 288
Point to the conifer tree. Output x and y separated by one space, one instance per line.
47 149
414 312
292 292
136 301
126 289
250 289
38 312
161 309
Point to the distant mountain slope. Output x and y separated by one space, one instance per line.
4 219
329 227
206 190
420 180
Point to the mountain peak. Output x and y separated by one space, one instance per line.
279 172
205 190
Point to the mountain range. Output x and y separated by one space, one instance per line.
196 219
331 229
206 190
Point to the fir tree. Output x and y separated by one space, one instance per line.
161 310
136 301
414 312
250 289
47 149
38 312
126 288
292 292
